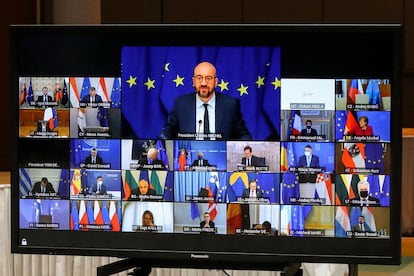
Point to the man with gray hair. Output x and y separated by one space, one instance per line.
151 161
363 198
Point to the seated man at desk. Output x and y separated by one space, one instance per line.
249 160
42 187
200 161
252 191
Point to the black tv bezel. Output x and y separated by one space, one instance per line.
307 51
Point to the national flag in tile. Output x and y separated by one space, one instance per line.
353 155
182 155
129 183
155 183
354 89
25 183
238 182
323 188
58 93
351 122
113 216
234 217
295 123
369 219
75 186
102 85
23 94
97 213
342 222
83 216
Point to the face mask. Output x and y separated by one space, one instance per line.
307 153
308 127
200 157
363 194
100 182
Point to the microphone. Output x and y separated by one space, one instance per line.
200 122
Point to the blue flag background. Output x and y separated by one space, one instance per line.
152 77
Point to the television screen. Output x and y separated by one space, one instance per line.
264 144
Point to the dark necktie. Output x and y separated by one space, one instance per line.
206 120
44 98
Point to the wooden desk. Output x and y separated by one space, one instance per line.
29 117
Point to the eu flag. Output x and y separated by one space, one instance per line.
30 95
74 216
86 86
102 116
373 92
269 184
374 153
290 187
340 124
152 77
63 190
116 94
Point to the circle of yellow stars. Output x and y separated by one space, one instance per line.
223 85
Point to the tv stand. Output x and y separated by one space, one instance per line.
122 265
287 269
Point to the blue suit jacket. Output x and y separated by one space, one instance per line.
313 164
229 119
87 99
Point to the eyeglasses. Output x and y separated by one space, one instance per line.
199 78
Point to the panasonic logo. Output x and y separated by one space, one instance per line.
194 256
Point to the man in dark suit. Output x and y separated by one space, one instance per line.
249 159
44 98
308 131
252 191
151 161
207 223
205 111
361 226
42 187
92 97
144 188
98 188
93 158
200 161
308 159
43 126
363 198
